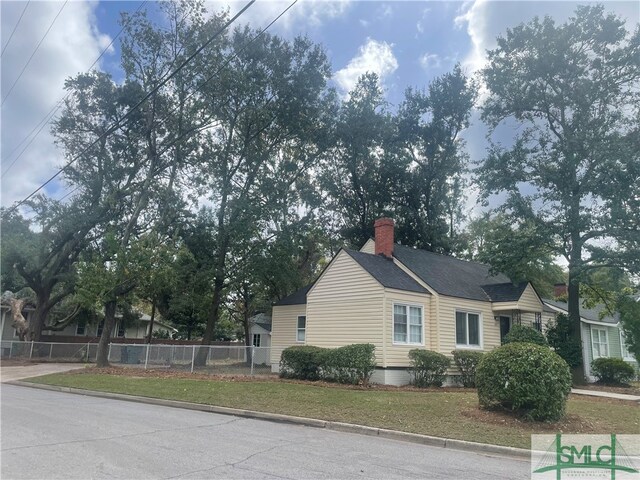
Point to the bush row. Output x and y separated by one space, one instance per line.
351 364
612 371
429 369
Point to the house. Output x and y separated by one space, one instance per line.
260 334
81 332
601 333
400 298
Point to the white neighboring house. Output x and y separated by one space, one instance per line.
601 334
260 332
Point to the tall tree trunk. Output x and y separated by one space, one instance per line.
573 310
39 318
248 341
212 321
153 316
102 357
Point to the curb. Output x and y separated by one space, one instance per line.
481 448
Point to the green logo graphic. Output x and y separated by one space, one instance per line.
609 456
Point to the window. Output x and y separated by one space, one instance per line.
468 329
537 323
623 347
302 327
80 328
599 342
256 340
121 329
100 328
407 324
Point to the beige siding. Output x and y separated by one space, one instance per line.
284 322
345 306
397 355
529 301
369 247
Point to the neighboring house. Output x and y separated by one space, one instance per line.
601 334
399 298
260 334
82 332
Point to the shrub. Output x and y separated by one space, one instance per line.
428 368
528 379
467 362
563 343
352 364
523 334
612 371
302 362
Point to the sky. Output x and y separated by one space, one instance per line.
405 43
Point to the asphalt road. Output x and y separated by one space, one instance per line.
58 435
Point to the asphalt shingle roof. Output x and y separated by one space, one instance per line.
386 272
592 314
448 275
505 292
299 297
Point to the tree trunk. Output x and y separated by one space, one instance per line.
43 298
214 313
153 316
102 357
248 341
573 310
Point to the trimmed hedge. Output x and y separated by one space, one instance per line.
612 371
467 362
352 364
521 333
302 362
528 379
428 368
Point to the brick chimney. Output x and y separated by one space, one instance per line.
384 237
559 290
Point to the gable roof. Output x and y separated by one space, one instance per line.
505 292
387 273
299 297
588 314
448 275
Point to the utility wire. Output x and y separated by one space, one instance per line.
118 123
14 29
49 116
34 52
208 79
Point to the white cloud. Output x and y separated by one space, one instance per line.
420 26
373 56
71 46
430 61
305 14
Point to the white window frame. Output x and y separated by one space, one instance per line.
393 323
119 327
84 329
303 330
467 346
599 342
259 337
624 350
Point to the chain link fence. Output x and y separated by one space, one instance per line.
215 360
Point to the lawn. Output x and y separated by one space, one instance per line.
451 414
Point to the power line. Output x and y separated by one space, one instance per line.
14 29
49 116
34 52
118 123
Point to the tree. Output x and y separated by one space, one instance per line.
574 168
429 127
629 308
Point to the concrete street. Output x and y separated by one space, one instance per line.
59 435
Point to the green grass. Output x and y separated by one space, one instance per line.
444 414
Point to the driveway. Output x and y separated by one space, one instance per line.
18 372
58 435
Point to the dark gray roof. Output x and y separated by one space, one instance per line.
299 297
505 292
386 272
448 275
592 314
266 326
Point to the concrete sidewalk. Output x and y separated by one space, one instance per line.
18 372
597 393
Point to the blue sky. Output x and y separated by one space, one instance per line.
406 43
